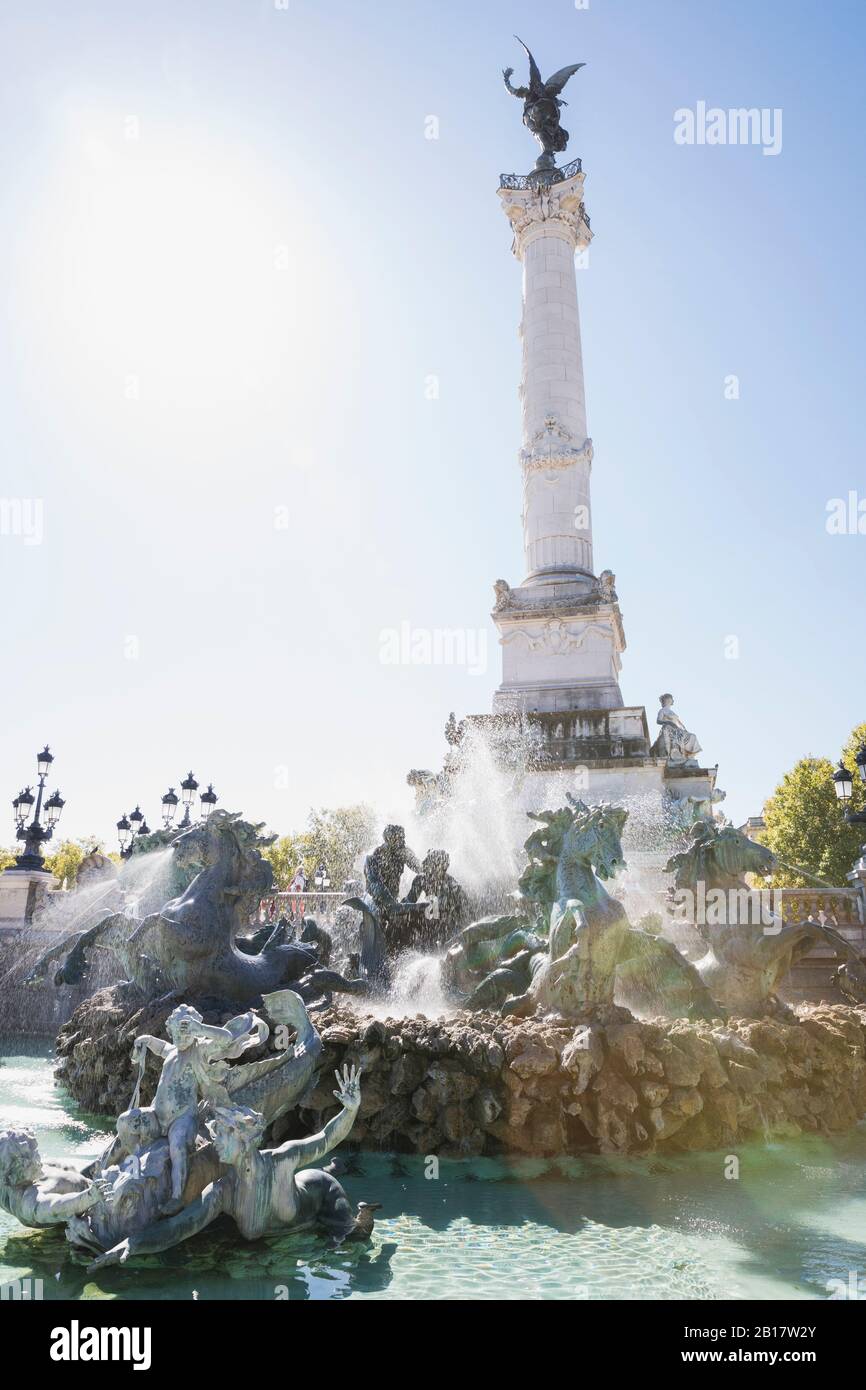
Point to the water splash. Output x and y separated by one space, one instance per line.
416 988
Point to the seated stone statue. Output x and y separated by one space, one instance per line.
194 1064
42 1194
674 743
262 1190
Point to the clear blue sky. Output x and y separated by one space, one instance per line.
231 259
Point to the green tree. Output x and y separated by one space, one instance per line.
806 827
7 858
334 838
284 857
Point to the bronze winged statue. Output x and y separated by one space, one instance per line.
541 104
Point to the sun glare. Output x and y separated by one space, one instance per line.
170 266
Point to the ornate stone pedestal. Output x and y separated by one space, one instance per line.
22 891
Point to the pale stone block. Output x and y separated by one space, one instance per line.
548 372
547 279
552 357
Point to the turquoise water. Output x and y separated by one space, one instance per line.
593 1228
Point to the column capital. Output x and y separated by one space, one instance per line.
547 210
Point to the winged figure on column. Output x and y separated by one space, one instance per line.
541 105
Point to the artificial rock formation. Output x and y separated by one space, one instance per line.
482 1084
485 1084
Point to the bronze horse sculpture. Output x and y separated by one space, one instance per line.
589 939
190 944
749 948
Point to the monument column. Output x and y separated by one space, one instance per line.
550 224
560 628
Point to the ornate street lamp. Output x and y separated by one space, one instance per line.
844 784
129 829
36 833
169 807
188 787
125 836
23 804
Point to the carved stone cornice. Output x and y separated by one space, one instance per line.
518 606
555 210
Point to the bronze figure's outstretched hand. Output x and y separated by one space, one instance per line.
117 1255
349 1087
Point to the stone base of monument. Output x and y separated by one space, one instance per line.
477 1084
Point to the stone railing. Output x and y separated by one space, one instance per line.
312 903
587 736
842 907
570 738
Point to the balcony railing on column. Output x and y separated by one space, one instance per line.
551 176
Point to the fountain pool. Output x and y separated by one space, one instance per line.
580 1228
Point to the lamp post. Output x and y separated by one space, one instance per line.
188 789
169 807
34 832
129 829
844 784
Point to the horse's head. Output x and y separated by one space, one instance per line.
736 854
595 836
719 857
575 839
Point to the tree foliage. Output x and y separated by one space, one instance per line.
806 826
7 858
335 838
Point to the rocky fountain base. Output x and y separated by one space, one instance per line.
478 1083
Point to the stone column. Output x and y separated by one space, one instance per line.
549 225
